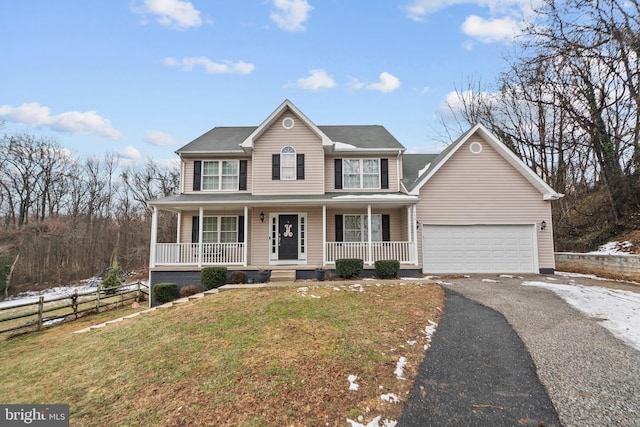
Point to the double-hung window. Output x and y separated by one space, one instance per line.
220 229
220 175
356 228
288 163
361 173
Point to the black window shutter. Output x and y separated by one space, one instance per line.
195 229
384 173
338 174
197 174
339 235
242 179
241 228
275 166
386 229
300 166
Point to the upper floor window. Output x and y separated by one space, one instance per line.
220 175
361 173
288 163
356 174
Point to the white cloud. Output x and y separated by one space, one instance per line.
418 10
318 79
226 67
171 13
388 83
75 122
491 30
158 138
130 153
291 15
355 84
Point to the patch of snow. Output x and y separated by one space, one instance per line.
402 362
374 423
614 248
356 287
507 276
423 170
344 146
390 196
352 384
618 309
390 397
578 275
490 281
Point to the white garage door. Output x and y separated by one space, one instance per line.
479 249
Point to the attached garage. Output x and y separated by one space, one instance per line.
479 249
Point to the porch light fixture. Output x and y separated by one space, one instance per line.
417 225
543 225
261 216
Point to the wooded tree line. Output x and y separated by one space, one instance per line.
68 217
568 106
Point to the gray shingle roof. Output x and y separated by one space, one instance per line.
228 139
412 164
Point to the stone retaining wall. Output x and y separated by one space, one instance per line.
621 264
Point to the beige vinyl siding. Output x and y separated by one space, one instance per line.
305 142
188 174
397 221
329 174
484 189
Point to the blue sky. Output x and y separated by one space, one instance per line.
141 78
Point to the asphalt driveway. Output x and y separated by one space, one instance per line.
591 377
477 373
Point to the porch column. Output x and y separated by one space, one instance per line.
246 233
369 254
410 224
154 237
324 235
200 222
415 236
178 239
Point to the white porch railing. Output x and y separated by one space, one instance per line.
402 251
199 254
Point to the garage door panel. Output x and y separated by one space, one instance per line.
479 249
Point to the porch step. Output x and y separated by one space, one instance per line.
283 276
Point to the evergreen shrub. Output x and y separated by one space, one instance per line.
349 268
387 269
165 292
213 277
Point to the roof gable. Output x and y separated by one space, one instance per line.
248 142
547 192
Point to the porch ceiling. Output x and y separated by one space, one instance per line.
182 202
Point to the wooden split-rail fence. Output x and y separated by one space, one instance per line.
35 316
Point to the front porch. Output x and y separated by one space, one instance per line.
234 254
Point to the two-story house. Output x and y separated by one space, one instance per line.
292 195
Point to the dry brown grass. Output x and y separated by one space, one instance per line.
264 357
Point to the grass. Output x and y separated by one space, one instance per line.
261 357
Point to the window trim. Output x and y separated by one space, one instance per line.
218 230
220 175
345 182
291 155
363 228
